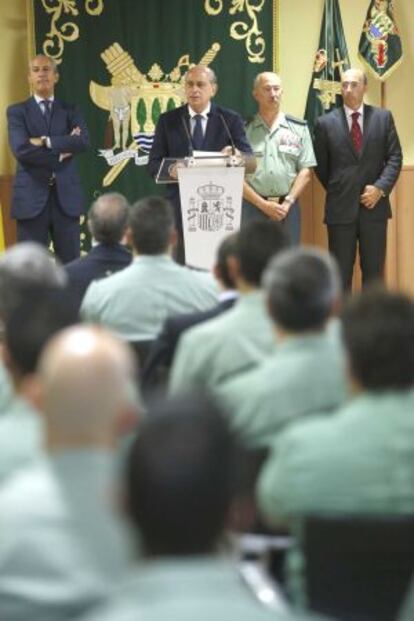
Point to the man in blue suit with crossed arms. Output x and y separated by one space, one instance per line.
45 134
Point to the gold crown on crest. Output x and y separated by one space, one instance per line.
124 72
210 191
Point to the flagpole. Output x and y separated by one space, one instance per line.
383 95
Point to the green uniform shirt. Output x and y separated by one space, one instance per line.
285 149
135 302
186 589
218 349
304 375
61 547
360 460
21 429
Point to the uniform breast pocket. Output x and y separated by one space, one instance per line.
289 150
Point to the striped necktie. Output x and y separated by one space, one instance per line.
46 106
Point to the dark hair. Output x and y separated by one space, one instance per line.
302 285
226 249
39 314
257 242
151 220
108 218
378 332
180 476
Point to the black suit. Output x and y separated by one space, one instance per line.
102 260
163 348
173 139
344 173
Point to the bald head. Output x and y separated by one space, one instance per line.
108 218
355 73
267 91
353 88
88 378
266 76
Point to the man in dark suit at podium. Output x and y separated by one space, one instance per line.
45 134
199 125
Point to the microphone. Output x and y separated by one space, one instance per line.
233 146
190 144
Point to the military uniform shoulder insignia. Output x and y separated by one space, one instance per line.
295 119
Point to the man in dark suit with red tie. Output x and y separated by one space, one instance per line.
45 134
359 159
199 125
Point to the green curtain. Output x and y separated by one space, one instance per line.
138 50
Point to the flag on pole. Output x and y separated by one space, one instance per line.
380 46
331 60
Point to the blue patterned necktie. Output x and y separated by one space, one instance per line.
198 136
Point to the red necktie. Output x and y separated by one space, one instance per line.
356 133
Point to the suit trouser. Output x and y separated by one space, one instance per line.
371 236
64 230
291 224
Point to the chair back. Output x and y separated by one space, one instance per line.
358 568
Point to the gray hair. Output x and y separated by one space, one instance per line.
50 59
302 286
108 218
27 264
259 77
208 70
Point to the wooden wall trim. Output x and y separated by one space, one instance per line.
399 268
9 225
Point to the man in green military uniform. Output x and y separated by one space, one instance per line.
360 460
286 156
304 374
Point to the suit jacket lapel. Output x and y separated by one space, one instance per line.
214 126
36 114
367 125
58 119
185 123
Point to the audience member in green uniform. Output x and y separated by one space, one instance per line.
306 373
181 481
26 269
61 546
361 459
135 302
241 338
